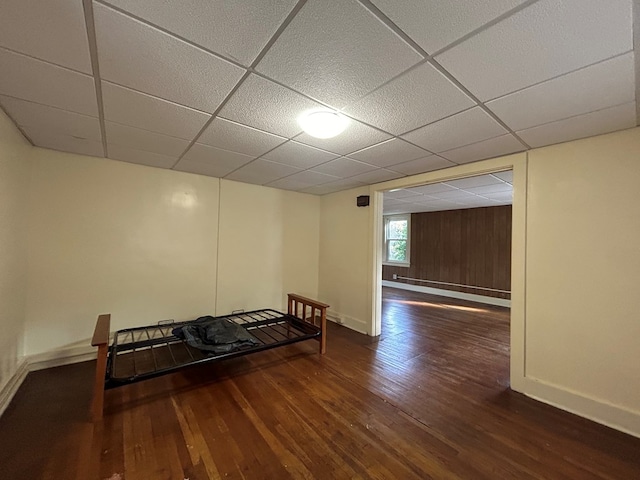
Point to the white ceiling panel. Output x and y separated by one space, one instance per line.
403 194
355 137
299 155
261 172
495 188
237 30
432 189
236 137
590 124
542 41
44 119
135 55
344 167
464 128
139 139
421 165
211 161
30 79
505 176
475 181
332 187
494 147
331 52
388 153
417 98
267 106
593 88
299 181
434 24
53 30
131 155
376 176
128 107
65 143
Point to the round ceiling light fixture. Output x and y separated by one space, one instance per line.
323 123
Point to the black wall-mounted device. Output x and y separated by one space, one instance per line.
362 201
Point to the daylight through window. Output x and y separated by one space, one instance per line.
396 238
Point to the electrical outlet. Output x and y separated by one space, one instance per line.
395 276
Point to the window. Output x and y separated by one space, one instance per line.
397 232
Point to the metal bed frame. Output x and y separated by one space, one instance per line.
142 353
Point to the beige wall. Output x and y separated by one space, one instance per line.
147 244
345 255
583 267
106 236
269 246
14 177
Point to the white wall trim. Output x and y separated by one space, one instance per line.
614 416
353 323
62 356
501 302
9 390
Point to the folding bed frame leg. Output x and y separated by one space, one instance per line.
101 340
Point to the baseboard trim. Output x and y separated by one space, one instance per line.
11 388
63 356
500 302
353 323
613 416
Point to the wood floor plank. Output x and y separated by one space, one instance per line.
429 398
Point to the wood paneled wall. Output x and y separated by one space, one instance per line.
468 247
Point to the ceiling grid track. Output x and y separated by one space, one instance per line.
93 52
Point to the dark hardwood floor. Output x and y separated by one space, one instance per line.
428 399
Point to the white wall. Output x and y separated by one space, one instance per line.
147 244
14 178
112 237
583 268
345 256
269 246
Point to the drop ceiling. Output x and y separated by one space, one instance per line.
488 190
215 87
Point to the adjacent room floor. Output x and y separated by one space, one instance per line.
428 399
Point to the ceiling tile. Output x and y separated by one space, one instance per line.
331 51
590 124
211 161
431 189
417 98
65 143
542 41
267 106
128 107
343 167
593 88
388 153
494 147
261 171
422 165
53 31
391 202
298 155
44 119
376 176
504 176
404 193
139 139
467 127
233 136
302 180
452 195
135 55
500 196
434 24
355 137
333 187
126 154
496 188
476 181
30 79
237 30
